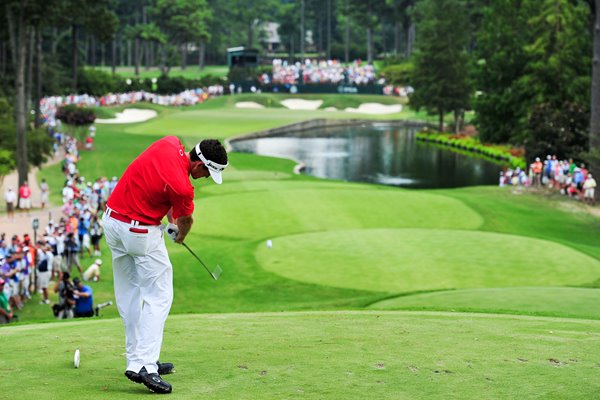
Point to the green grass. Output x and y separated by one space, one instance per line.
425 259
191 72
342 355
338 247
549 301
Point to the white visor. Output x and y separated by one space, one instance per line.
214 168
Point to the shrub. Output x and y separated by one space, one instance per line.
399 74
39 142
76 119
210 80
96 82
7 162
76 116
170 85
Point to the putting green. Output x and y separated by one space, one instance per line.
281 209
400 260
563 301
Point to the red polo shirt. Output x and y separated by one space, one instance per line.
154 182
24 192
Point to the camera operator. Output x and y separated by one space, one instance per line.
66 297
84 301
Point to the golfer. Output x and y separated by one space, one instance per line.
155 184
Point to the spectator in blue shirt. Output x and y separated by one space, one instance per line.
578 178
84 301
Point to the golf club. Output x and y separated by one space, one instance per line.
215 274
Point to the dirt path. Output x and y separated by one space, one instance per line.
22 222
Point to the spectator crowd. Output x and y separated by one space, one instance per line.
66 247
313 71
563 176
49 105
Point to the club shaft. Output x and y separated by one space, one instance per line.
198 258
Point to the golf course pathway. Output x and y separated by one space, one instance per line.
22 223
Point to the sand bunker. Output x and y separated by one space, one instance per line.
301 104
128 116
248 104
375 108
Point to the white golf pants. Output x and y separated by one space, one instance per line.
143 280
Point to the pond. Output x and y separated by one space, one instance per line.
376 153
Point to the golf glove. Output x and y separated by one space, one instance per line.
172 231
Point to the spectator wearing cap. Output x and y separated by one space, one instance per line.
536 167
6 314
112 184
44 269
11 198
96 233
44 192
49 230
72 253
578 178
93 271
84 300
9 269
589 187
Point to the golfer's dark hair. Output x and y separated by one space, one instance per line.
212 149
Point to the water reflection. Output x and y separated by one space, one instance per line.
376 153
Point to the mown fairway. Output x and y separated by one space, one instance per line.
355 251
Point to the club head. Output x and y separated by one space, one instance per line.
216 274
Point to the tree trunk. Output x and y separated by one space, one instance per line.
74 51
595 98
291 60
54 45
201 54
113 58
18 43
320 32
2 59
38 78
329 29
347 41
397 31
441 120
137 54
250 34
129 60
370 45
302 31
163 60
457 121
145 43
93 51
183 56
147 55
410 38
103 54
30 63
